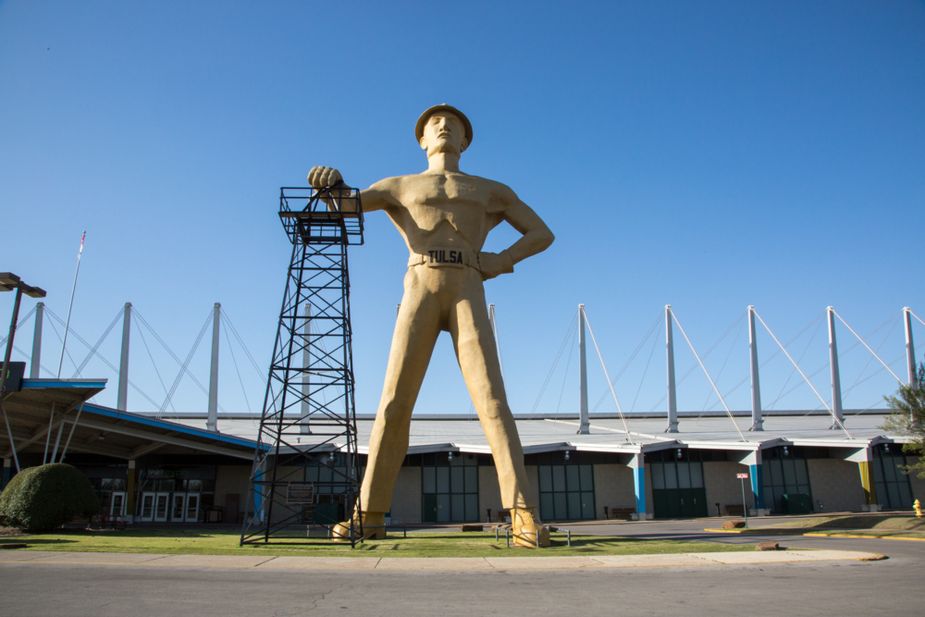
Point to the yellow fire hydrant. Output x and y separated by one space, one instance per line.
917 506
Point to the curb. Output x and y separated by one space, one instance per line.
410 565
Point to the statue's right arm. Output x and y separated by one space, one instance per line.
379 196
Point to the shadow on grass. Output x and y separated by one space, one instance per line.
33 540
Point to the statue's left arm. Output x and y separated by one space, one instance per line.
536 236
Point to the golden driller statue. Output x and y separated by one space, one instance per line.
444 217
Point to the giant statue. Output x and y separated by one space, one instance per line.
444 216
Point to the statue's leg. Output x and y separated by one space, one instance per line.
478 359
413 342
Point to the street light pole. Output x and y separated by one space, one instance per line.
9 282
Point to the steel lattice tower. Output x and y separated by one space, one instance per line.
306 466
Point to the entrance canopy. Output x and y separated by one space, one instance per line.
48 415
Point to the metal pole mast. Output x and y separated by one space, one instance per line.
910 345
672 392
122 400
6 365
757 419
584 425
833 364
212 419
37 341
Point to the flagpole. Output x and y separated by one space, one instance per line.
67 325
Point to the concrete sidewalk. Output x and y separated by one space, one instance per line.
21 558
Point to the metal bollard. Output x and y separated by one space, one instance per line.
507 537
568 537
496 535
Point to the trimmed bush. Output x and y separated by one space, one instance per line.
43 498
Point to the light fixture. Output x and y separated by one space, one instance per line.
786 451
567 455
449 455
332 456
678 453
886 447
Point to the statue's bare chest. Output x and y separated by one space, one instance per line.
457 200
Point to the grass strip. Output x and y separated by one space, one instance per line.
417 544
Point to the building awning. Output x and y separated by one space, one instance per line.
49 411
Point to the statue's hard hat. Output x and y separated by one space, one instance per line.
419 127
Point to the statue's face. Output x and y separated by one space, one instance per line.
444 132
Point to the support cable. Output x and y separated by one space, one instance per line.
237 371
189 357
919 319
102 358
568 364
613 393
722 368
629 361
709 351
838 422
868 348
144 342
783 389
54 329
861 378
706 373
226 319
569 335
645 371
19 325
136 314
93 350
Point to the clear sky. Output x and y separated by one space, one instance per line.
709 155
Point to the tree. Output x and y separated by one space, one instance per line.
43 498
908 419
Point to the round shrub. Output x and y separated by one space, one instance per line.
43 498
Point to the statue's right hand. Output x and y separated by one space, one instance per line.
320 177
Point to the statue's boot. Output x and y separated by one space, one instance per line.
527 530
373 524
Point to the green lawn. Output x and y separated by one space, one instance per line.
417 544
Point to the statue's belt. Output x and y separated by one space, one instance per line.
445 258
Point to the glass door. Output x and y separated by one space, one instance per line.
161 501
192 507
146 507
117 504
178 507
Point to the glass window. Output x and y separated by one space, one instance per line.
671 476
658 475
558 478
696 475
450 488
587 477
684 474
566 491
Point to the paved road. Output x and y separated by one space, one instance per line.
842 589
855 588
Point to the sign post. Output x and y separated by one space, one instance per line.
742 478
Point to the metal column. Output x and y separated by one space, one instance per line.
212 418
672 392
122 400
37 341
584 424
637 464
910 346
757 419
833 364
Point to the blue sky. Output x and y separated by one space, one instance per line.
709 155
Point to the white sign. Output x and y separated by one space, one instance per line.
742 476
